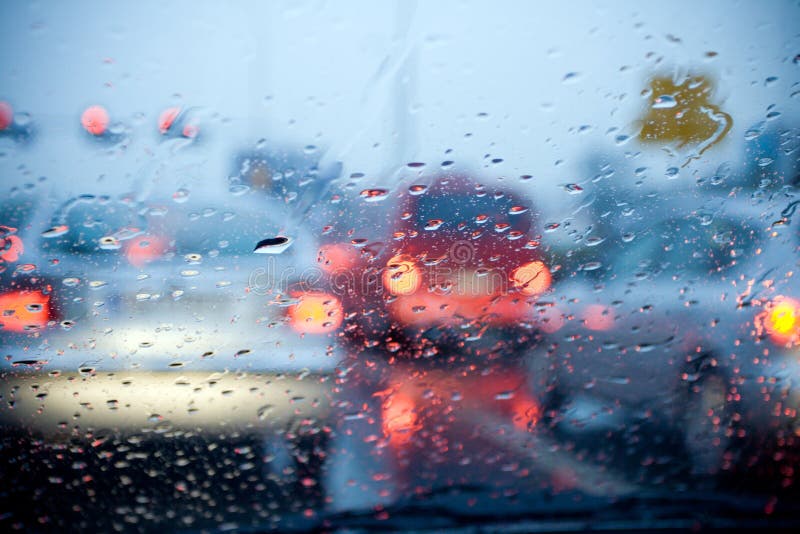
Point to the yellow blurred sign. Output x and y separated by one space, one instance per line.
680 112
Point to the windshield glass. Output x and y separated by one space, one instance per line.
346 266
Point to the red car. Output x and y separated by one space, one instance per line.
461 266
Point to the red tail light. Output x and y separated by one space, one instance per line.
399 418
166 119
95 120
316 313
6 115
11 248
532 278
144 249
402 276
21 311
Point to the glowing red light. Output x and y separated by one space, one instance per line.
6 115
95 120
167 118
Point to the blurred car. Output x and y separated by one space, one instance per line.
112 281
459 265
27 306
694 326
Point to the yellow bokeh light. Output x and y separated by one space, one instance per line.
316 313
783 318
401 276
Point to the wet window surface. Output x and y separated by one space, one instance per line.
328 266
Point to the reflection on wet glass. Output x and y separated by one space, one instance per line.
379 266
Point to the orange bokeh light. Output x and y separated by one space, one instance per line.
401 277
532 278
316 313
24 310
95 120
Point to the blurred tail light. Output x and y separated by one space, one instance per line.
399 418
316 313
598 317
166 119
336 256
144 249
525 412
781 320
11 248
6 115
95 120
402 276
532 278
24 310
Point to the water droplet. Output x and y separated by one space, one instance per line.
56 231
573 189
416 190
71 281
416 164
764 162
754 131
770 81
181 195
571 77
622 139
188 273
434 224
110 243
374 195
238 189
265 411
273 245
193 258
664 102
